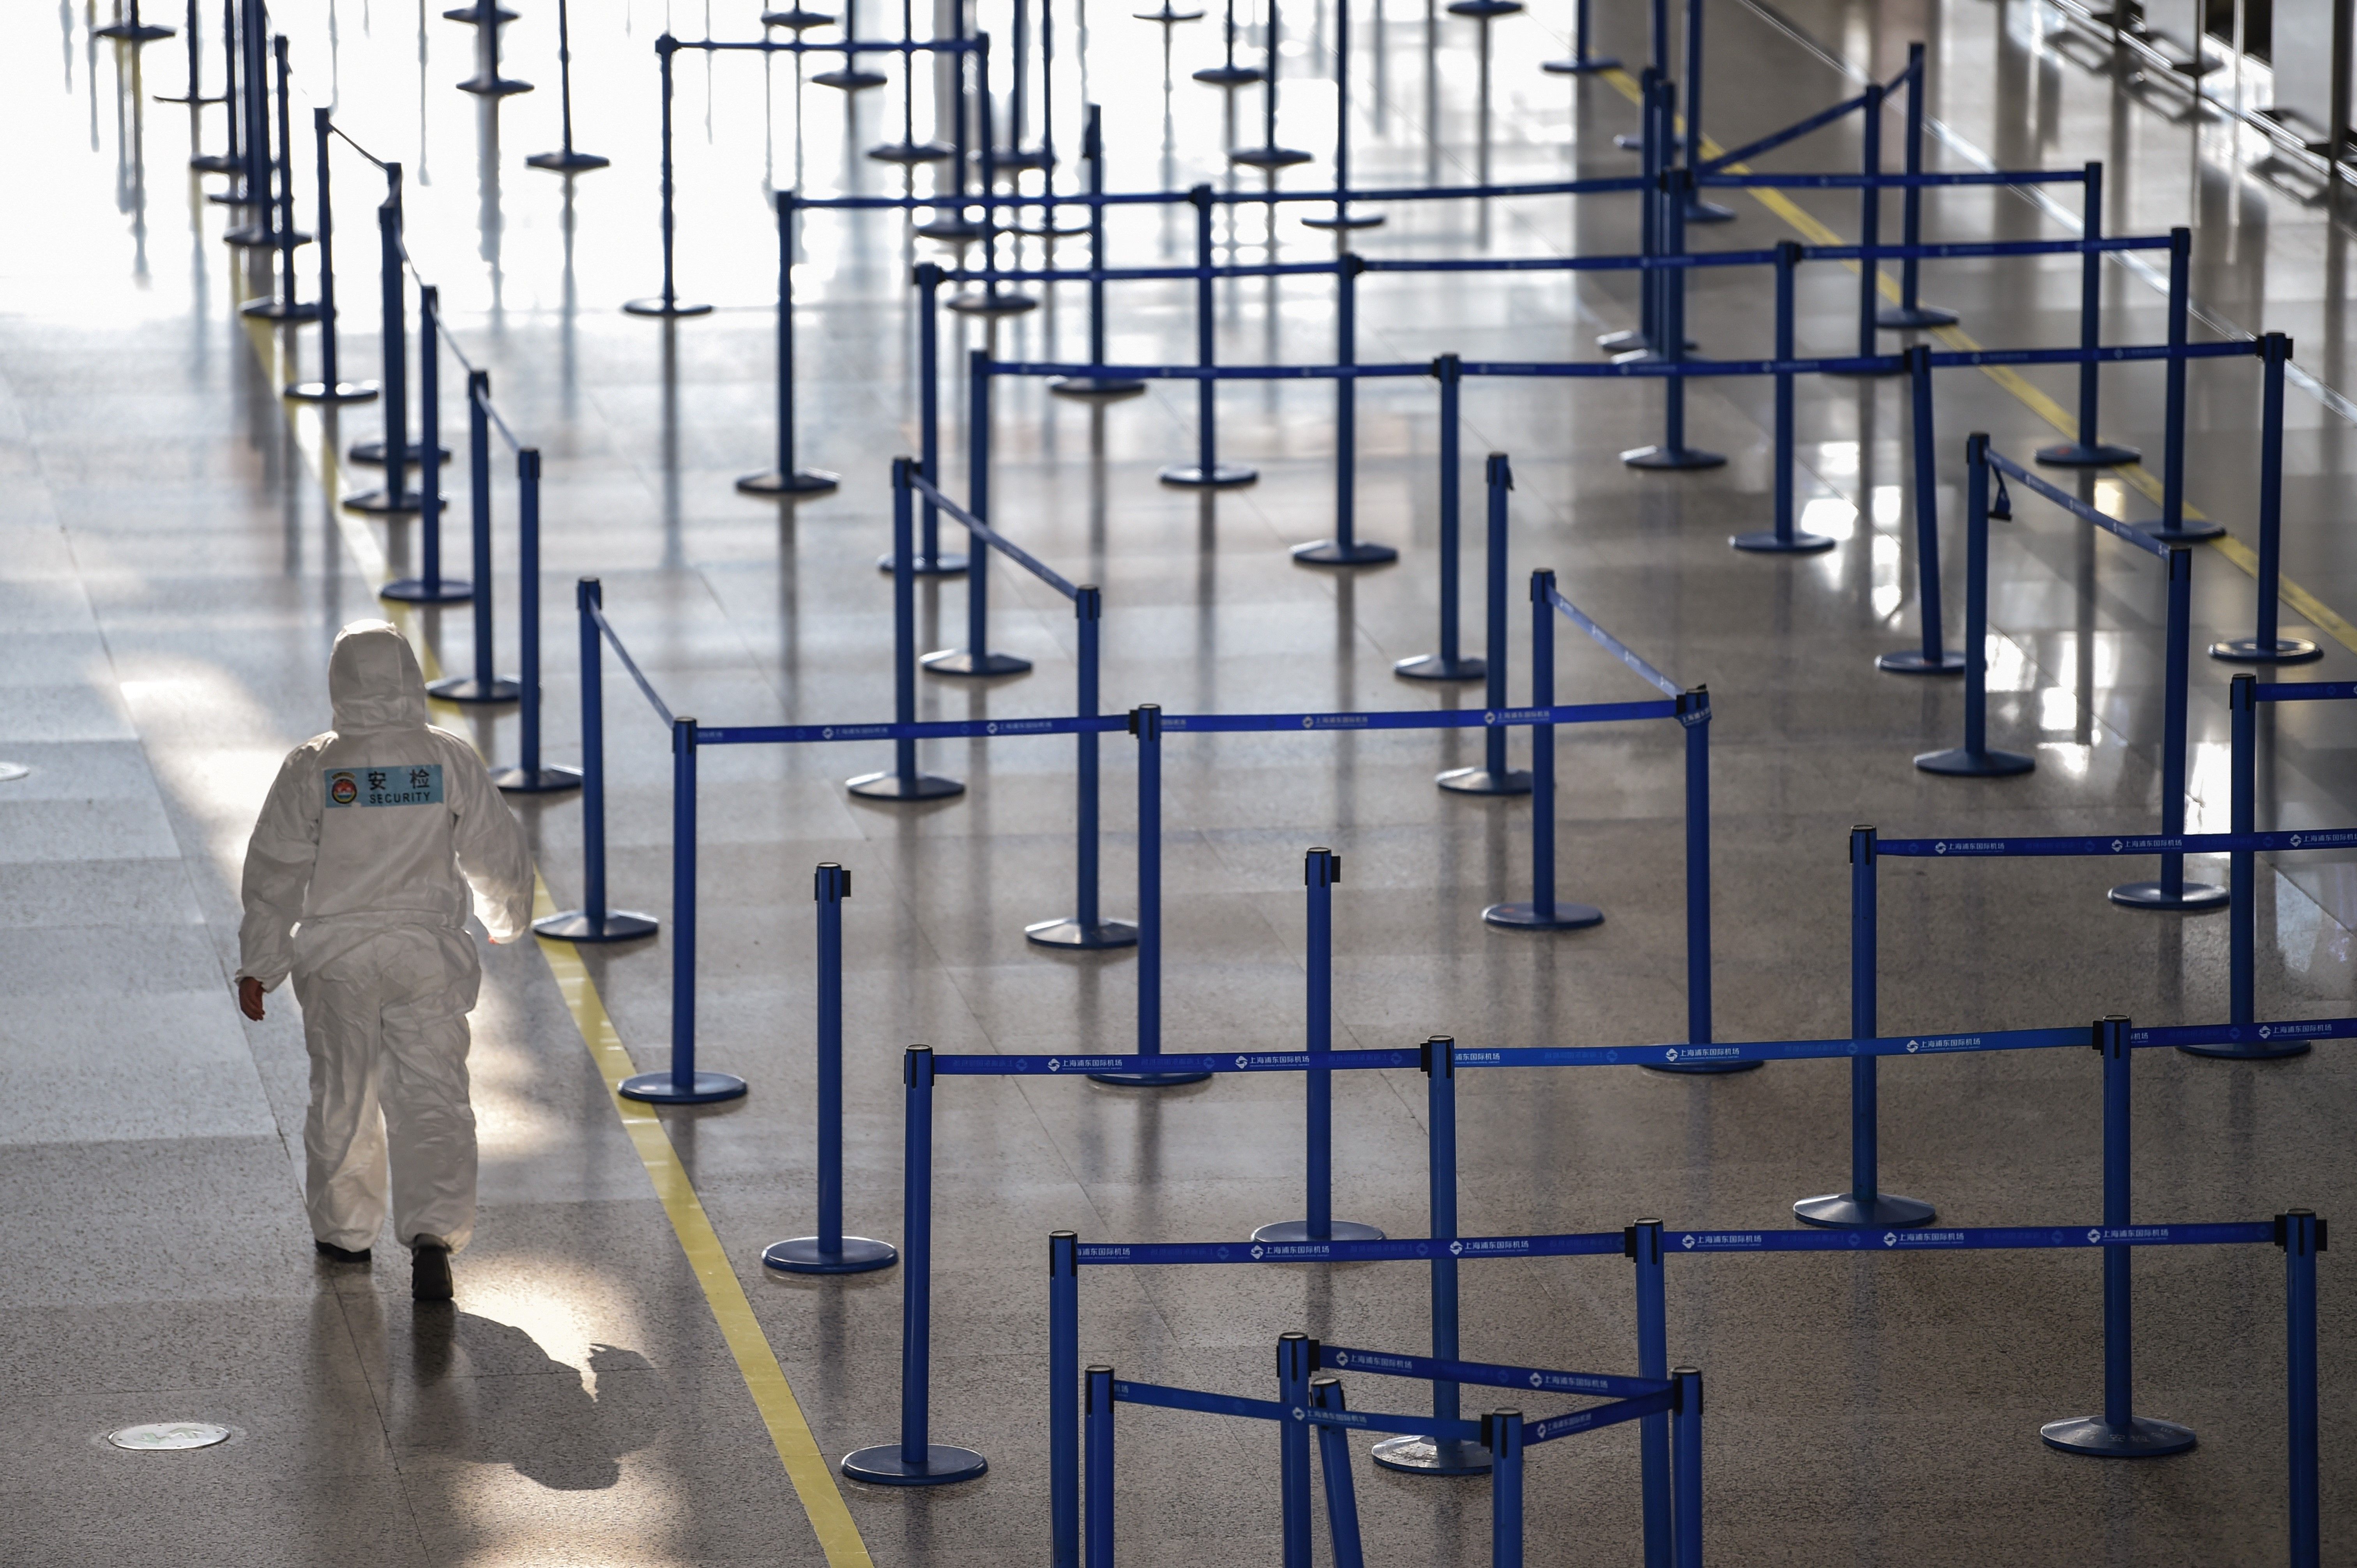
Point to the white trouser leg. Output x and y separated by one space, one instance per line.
343 1134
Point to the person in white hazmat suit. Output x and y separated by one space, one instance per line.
377 840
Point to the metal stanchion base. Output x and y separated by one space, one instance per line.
892 787
1335 553
942 1464
664 307
536 780
804 1255
910 153
1440 667
1987 763
276 309
797 18
1168 15
1902 318
1560 916
1227 75
2141 1438
1022 158
123 32
950 230
419 591
468 690
1702 1069
2192 898
188 97
2251 651
2074 454
985 302
945 565
1482 10
801 482
1146 1080
1095 386
1481 781
215 162
1701 212
966 661
253 237
2259 1052
372 453
1070 934
1221 477
662 1089
1847 1211
1581 66
581 926
1767 542
1268 158
500 13
382 503
1915 661
2189 533
1431 1457
567 161
494 86
849 79
1299 1230
342 391
1345 220
1672 457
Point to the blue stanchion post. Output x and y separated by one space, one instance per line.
1100 1439
976 658
949 222
992 301
929 560
1911 314
1268 156
1694 718
2300 1234
2085 450
1645 336
1322 868
1448 663
1346 548
2172 892
916 1460
1493 776
1146 724
283 305
907 149
1086 927
330 387
2264 647
429 586
1869 217
566 159
1343 219
1865 1205
2119 1433
1584 61
1064 1399
394 498
1092 152
1503 1431
786 479
1692 208
1334 1467
1439 1455
593 922
1206 471
682 1084
482 686
528 777
1975 758
667 304
903 782
1784 539
2242 914
1545 912
1687 1476
830 1251
1297 1358
1642 1242
2174 528
1672 452
1933 657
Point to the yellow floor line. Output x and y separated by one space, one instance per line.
765 1379
1805 223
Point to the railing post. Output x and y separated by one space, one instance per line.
1642 1242
1672 452
1911 313
786 479
593 922
328 388
1687 1483
278 203
1100 1438
1085 928
1933 658
1973 760
2264 647
2085 450
1345 549
2172 891
916 1460
482 686
1096 383
1504 1431
2119 1433
830 1251
1064 1399
903 782
682 1084
929 561
429 586
566 160
1146 724
1321 869
1545 912
1294 1362
1783 539
1869 218
1493 776
1691 207
394 498
976 658
528 777
1206 472
1694 718
1334 1467
2174 529
1449 663
2242 938
666 305
2300 1234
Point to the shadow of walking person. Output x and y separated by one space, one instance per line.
487 1394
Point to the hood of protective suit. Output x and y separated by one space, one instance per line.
373 679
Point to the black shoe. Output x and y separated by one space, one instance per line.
429 1271
336 1254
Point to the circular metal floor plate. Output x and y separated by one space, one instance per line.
158 1435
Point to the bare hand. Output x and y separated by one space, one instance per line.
248 997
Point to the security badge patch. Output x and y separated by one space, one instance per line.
397 785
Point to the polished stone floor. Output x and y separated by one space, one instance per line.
175 565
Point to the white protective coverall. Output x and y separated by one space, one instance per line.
356 883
